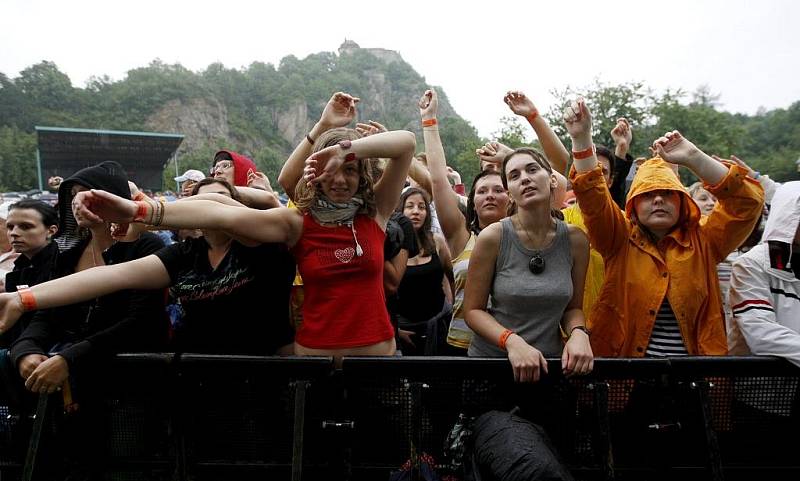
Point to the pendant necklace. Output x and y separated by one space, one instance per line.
536 265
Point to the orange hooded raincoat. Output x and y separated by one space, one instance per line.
682 266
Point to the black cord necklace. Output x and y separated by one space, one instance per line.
536 265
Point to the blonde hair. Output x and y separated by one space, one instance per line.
307 196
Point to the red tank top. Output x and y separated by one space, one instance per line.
344 302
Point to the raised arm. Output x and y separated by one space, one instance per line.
274 225
451 220
397 146
339 112
740 197
606 223
553 149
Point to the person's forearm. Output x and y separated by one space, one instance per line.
484 325
292 169
421 176
391 145
554 150
584 143
706 168
621 150
257 198
90 284
572 318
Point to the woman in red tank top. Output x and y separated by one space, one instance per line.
336 235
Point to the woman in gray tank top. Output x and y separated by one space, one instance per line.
533 266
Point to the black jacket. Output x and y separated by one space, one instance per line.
129 320
29 272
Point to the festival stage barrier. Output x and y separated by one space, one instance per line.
180 417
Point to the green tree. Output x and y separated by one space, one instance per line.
18 158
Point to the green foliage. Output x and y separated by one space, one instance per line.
511 133
258 97
18 158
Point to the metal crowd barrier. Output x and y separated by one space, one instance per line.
204 417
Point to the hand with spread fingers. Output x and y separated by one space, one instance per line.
258 180
322 164
520 104
339 111
49 376
370 128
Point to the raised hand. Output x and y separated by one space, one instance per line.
453 175
96 206
621 133
54 182
494 152
578 120
10 310
258 180
675 149
322 164
429 104
339 111
520 104
371 128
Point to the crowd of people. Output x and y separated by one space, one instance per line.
382 251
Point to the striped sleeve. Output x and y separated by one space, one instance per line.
754 316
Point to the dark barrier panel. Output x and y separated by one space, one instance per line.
242 418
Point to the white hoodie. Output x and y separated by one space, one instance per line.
766 300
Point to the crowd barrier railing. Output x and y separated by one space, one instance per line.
241 417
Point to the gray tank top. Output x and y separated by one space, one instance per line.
531 305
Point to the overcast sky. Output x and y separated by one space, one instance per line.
747 51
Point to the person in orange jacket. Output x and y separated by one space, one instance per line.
661 295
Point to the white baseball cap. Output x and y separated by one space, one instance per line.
191 174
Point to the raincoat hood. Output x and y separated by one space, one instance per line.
241 166
656 174
784 214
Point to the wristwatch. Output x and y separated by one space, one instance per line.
581 328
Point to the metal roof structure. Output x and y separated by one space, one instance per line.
64 151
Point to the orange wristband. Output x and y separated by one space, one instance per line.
503 338
141 210
26 296
532 116
139 196
429 122
583 154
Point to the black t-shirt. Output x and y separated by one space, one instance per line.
241 307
